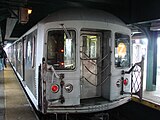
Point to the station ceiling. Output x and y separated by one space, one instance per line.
129 11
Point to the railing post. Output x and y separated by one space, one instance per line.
142 70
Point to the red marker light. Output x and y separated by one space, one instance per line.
125 81
62 50
62 63
55 88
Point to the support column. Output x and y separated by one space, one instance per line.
151 62
151 71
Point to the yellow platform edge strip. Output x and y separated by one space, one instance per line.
147 103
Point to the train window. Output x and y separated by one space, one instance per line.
29 47
33 50
61 49
122 50
14 55
29 51
19 51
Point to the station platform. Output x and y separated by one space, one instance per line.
150 98
13 102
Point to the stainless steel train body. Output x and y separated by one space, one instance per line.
71 62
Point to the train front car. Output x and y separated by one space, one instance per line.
84 53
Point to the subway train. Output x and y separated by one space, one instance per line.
72 62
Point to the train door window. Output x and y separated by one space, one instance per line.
122 50
61 49
90 45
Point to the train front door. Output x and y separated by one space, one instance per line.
90 53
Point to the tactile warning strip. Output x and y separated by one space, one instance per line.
147 103
1 95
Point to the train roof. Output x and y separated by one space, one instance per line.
82 14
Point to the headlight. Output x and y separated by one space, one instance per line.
68 87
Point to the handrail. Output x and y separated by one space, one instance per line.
95 63
92 59
87 57
103 58
99 83
131 69
104 79
97 73
90 71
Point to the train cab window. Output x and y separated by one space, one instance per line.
61 49
122 50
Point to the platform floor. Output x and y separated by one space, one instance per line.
154 95
13 102
151 98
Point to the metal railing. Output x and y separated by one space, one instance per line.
96 63
136 72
